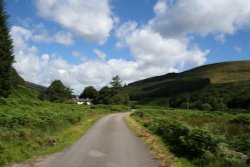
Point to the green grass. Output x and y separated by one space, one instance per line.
182 162
30 127
185 132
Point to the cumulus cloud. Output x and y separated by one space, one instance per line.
203 17
220 38
20 36
61 37
44 68
92 20
160 46
150 49
101 55
40 34
164 42
79 55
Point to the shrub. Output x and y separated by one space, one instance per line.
243 119
185 140
241 143
199 141
2 148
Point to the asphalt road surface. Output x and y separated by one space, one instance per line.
109 143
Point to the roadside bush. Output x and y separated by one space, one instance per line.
185 140
198 141
2 148
243 119
171 131
211 160
241 144
206 139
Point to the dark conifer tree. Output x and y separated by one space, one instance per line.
57 92
6 53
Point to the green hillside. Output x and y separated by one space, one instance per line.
36 87
215 86
227 72
219 73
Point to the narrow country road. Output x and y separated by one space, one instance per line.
109 143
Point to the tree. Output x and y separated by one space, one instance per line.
104 96
89 92
57 92
120 98
113 95
6 53
116 83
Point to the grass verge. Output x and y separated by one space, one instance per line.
154 143
54 142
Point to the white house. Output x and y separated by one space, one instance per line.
81 101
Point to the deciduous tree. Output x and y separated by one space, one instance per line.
89 92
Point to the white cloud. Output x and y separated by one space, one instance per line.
43 69
203 17
79 55
220 38
158 47
64 38
42 35
160 7
123 31
164 44
20 35
101 55
92 20
150 49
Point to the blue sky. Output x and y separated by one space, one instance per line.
86 42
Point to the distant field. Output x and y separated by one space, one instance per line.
209 139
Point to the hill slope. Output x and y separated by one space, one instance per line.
191 80
227 72
38 88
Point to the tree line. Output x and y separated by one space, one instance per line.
113 94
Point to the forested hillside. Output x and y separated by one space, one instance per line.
221 86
